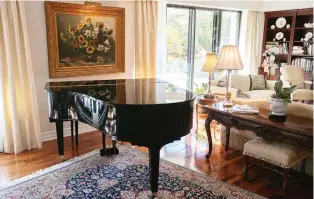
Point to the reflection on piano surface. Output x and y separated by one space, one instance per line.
144 112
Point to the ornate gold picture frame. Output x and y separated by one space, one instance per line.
85 39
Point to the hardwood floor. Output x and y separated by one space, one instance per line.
188 152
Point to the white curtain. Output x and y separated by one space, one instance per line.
19 120
146 17
251 37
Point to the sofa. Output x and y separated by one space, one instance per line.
241 84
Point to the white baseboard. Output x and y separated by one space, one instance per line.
51 135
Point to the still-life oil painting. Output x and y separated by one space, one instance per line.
87 40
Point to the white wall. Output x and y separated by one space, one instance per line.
285 5
36 23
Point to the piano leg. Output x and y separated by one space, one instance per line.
59 128
154 170
108 151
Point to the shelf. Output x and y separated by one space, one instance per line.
304 28
301 55
279 29
303 41
279 41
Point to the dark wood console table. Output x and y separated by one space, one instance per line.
297 130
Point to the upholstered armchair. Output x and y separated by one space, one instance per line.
295 76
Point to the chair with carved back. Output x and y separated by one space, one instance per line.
283 155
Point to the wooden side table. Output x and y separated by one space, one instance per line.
202 101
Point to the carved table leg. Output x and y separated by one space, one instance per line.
246 162
59 128
209 135
227 139
154 169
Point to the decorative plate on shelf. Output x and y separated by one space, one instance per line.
279 35
272 26
281 22
308 35
288 26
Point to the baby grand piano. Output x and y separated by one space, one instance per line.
144 112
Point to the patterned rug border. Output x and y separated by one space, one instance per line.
39 173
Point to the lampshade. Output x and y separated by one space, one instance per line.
229 59
210 62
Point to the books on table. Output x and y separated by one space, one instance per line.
245 109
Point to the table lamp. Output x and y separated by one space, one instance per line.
209 66
229 60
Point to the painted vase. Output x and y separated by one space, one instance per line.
278 107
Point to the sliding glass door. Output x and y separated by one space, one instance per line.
191 33
206 24
178 34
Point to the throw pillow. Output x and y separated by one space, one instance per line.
258 82
221 83
242 95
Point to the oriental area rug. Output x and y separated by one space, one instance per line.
124 176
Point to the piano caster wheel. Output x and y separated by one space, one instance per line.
63 159
109 151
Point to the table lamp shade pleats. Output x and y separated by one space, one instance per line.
210 62
229 59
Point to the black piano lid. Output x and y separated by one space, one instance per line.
125 91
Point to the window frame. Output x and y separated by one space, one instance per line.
191 33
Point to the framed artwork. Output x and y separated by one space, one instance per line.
84 39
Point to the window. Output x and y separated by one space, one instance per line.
191 33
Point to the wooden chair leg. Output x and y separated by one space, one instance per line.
302 169
284 182
72 129
246 166
76 132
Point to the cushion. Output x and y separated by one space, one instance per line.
300 109
223 90
302 94
241 82
221 83
237 81
260 94
281 154
241 94
258 82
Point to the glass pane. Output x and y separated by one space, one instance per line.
204 34
229 28
175 70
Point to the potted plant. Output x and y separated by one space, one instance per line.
279 101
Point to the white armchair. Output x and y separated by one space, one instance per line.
295 75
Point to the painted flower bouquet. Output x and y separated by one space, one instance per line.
89 40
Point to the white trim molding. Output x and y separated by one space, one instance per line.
51 135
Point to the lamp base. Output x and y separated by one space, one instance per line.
227 103
209 96
277 118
